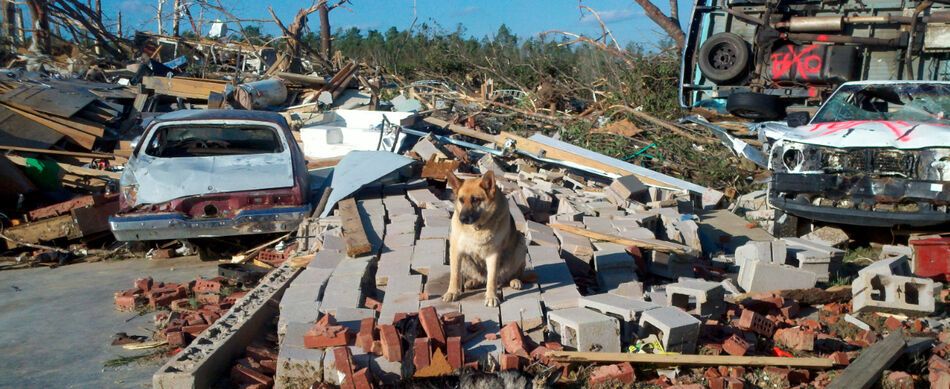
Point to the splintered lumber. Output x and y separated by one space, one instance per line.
353 234
649 244
187 88
90 128
461 130
690 360
866 370
76 154
301 79
81 138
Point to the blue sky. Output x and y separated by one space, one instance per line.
480 18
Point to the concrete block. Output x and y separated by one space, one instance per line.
436 281
769 251
351 317
396 241
629 187
389 373
523 307
517 216
890 251
540 234
578 246
326 259
894 294
670 266
761 276
402 296
428 253
393 264
614 267
585 330
893 266
677 330
422 198
697 297
624 309
631 289
298 367
828 236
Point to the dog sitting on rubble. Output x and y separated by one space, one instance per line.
484 246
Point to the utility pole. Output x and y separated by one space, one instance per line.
119 26
98 9
325 30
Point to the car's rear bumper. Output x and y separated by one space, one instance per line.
162 226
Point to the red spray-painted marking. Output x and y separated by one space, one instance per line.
805 63
897 127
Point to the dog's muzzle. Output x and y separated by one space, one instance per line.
469 217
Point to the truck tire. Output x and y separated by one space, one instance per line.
724 57
755 106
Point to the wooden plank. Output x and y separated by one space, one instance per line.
866 370
81 138
461 130
690 360
16 130
353 234
301 79
649 244
42 98
183 87
58 152
91 128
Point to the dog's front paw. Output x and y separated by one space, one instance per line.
515 284
450 296
491 300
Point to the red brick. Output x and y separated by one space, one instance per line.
144 284
899 380
367 334
194 319
362 379
619 373
126 301
939 380
840 358
377 348
269 366
736 346
734 383
373 304
513 340
796 339
454 324
429 319
260 353
163 253
510 362
892 323
751 321
344 364
779 373
392 348
207 286
421 353
195 330
737 371
243 374
455 354
329 336
711 372
538 354
937 367
176 339
865 338
554 346
491 336
208 298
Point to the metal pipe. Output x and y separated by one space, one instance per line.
893 42
816 23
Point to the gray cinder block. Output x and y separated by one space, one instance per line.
770 251
624 309
761 276
585 330
670 266
677 330
896 294
697 297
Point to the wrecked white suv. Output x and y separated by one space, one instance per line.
877 153
212 173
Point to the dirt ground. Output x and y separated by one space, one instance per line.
56 325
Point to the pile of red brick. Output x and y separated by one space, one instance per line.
256 370
186 320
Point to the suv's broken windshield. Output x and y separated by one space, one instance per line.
914 102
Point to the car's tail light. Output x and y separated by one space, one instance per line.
128 192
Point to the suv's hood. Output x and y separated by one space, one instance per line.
896 134
164 179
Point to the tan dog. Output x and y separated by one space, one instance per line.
484 247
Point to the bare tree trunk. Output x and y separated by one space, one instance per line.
667 23
325 44
176 17
39 15
21 26
675 11
98 10
118 27
158 17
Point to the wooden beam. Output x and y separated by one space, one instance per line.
649 244
689 359
94 129
461 130
866 370
183 87
353 234
77 154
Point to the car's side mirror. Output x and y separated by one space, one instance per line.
796 119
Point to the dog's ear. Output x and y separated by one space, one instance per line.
454 182
488 182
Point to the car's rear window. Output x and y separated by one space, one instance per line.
200 141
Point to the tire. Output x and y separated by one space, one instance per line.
724 57
755 106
